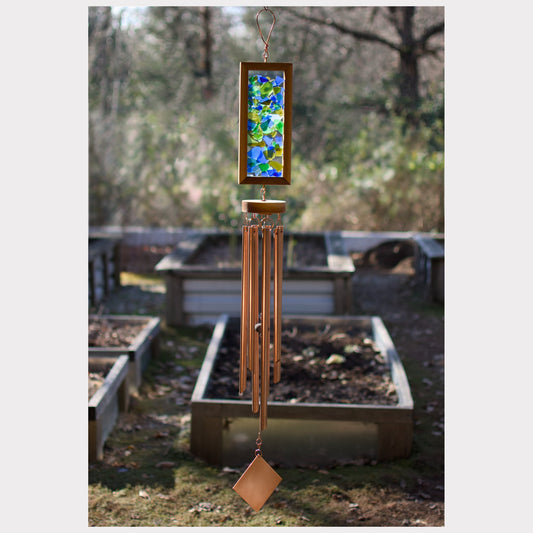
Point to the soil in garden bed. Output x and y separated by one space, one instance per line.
142 258
107 333
319 364
224 251
97 375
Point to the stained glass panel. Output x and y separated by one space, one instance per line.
266 105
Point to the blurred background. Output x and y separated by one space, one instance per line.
368 115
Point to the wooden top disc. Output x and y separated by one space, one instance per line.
264 207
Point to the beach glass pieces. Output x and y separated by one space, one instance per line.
265 124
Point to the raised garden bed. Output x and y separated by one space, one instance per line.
203 276
135 336
429 264
343 396
104 267
108 395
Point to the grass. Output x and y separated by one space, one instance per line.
134 278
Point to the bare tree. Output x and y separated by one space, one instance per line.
409 45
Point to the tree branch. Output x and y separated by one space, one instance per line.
433 30
356 34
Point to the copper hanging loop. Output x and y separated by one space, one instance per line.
258 443
265 53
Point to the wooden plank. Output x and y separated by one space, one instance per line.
100 246
214 272
209 359
233 286
148 334
174 312
197 319
181 253
308 411
212 304
300 443
385 344
362 241
206 437
92 285
338 259
437 280
212 285
292 303
106 352
305 286
117 263
105 271
395 440
96 443
430 247
105 394
104 406
342 295
429 262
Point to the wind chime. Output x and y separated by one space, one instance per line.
265 121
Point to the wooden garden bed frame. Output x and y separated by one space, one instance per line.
429 265
104 267
106 403
390 426
145 346
199 294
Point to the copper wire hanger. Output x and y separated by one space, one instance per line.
265 53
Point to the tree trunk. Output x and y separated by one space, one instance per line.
408 69
206 54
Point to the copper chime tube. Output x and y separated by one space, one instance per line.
254 314
256 305
265 325
245 312
278 279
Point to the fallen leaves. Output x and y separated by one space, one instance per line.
335 359
165 464
105 332
205 507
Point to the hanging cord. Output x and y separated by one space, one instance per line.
265 53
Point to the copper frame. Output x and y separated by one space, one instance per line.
244 178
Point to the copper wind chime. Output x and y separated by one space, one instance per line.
265 116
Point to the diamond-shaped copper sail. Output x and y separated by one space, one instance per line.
257 483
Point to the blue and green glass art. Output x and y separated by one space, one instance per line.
265 123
